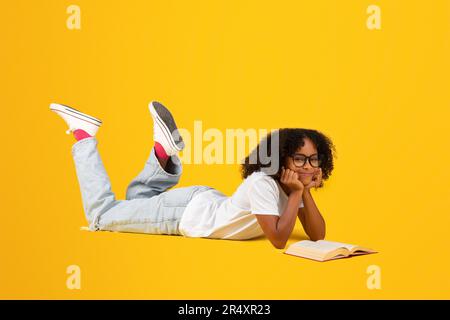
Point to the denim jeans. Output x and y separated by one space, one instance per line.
149 206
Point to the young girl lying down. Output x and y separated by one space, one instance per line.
267 202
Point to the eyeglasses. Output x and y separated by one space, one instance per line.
315 160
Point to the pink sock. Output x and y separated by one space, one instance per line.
160 152
81 134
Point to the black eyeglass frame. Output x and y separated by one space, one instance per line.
319 158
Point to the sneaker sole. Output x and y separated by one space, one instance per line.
165 120
75 113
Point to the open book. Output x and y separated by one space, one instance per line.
323 250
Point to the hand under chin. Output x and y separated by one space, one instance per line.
306 181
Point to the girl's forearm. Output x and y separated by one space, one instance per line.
312 220
286 222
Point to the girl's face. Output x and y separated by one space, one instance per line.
306 172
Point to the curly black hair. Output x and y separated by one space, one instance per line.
290 139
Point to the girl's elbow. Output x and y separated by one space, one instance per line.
318 234
279 246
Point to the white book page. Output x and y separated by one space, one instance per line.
321 246
331 245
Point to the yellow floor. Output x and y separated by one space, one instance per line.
137 266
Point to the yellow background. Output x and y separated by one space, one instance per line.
381 95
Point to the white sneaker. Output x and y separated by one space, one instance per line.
76 119
165 130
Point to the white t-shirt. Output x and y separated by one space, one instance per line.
211 214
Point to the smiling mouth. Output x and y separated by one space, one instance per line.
306 174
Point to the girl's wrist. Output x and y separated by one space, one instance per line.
297 193
306 192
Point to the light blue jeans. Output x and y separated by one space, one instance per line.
149 206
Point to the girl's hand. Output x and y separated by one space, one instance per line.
290 179
316 180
